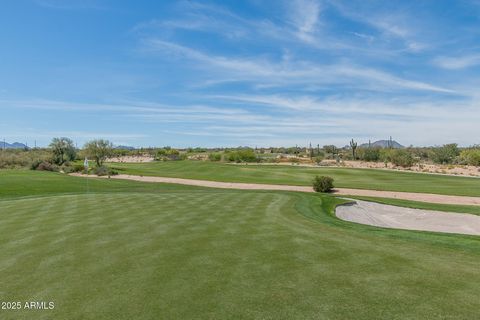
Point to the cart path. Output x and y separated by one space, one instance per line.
413 196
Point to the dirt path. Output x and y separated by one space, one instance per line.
386 216
423 197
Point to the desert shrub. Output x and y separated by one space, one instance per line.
323 184
215 156
402 158
244 155
471 157
369 154
35 163
73 168
420 152
318 159
445 154
167 153
47 166
104 171
15 158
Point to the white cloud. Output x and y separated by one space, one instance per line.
288 72
460 62
304 15
399 26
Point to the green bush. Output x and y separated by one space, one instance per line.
471 157
323 184
35 163
167 154
74 168
104 171
47 166
244 155
445 154
402 158
215 156
318 159
369 154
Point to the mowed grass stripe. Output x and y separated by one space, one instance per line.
374 179
214 254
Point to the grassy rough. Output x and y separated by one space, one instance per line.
344 177
152 251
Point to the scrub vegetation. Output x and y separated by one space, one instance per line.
373 179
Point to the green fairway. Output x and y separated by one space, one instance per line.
26 183
129 250
294 175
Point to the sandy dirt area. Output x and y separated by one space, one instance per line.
386 216
452 170
423 197
132 159
471 171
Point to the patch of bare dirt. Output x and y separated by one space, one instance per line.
131 159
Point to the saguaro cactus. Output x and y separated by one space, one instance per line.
390 143
353 145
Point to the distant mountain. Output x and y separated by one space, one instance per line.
15 145
124 148
383 144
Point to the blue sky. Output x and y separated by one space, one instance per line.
229 73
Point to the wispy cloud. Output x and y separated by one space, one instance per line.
459 62
290 72
253 73
398 25
304 15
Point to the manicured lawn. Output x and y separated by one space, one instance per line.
26 183
129 250
344 177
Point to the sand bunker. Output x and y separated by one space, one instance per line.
386 216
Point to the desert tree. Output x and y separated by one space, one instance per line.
63 150
331 149
445 154
99 150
